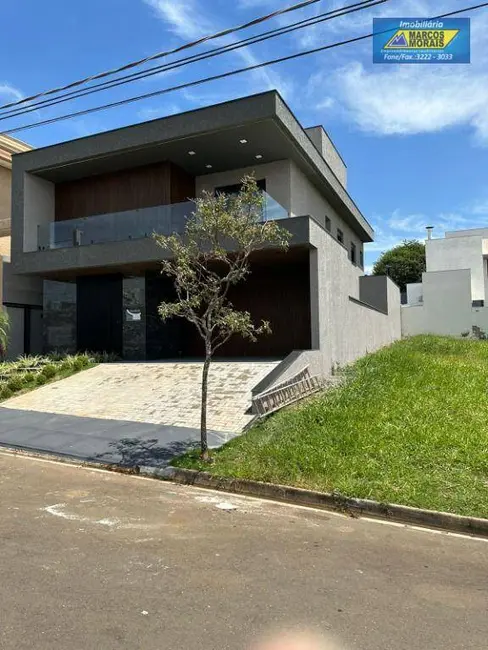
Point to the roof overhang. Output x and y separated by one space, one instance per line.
215 135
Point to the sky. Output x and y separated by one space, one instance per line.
414 137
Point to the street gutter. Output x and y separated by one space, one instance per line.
348 506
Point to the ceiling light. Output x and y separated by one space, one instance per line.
243 141
259 156
209 166
192 153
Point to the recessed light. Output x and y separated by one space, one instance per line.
243 141
259 156
209 166
192 153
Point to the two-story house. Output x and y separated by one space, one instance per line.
84 212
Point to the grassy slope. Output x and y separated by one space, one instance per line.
411 427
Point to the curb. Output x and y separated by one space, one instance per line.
357 508
349 506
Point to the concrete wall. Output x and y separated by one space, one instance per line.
415 293
5 200
306 199
38 208
346 329
456 253
20 289
373 290
277 175
329 153
446 308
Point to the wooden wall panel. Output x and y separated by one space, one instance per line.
277 290
182 185
128 189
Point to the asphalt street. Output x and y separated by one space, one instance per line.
91 559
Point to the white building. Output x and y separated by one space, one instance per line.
452 296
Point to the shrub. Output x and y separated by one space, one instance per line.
15 383
49 371
41 379
28 361
5 392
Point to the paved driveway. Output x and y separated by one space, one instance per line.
132 413
98 560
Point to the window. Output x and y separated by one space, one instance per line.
353 252
361 258
328 225
340 236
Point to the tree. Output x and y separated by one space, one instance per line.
207 260
4 332
404 263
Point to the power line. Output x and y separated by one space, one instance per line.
158 55
225 75
107 85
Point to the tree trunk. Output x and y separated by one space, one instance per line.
203 425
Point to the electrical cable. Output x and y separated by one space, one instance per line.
158 55
107 85
225 75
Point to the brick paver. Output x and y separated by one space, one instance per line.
165 393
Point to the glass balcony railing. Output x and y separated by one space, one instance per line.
133 224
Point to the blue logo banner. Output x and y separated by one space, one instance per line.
421 40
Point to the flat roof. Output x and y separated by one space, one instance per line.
224 136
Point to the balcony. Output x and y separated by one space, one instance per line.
134 224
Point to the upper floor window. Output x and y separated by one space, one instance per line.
361 259
353 253
328 224
340 236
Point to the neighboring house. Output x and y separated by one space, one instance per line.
84 213
452 295
21 296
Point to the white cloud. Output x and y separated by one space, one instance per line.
9 92
182 16
413 99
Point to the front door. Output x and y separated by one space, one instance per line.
99 313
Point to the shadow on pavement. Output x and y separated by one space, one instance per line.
137 452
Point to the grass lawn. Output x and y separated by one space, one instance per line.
410 426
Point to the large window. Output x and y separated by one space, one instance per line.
340 236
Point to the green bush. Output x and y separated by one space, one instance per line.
5 392
41 379
49 371
29 377
15 383
29 361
